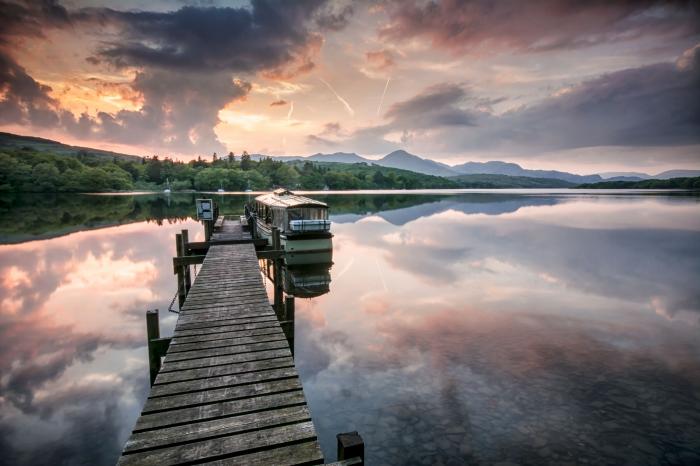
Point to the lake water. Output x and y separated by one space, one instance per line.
472 328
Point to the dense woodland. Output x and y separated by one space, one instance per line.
673 183
32 169
29 170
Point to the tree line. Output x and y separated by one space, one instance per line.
28 170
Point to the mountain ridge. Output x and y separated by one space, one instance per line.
397 159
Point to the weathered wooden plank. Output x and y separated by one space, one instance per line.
229 298
221 360
225 328
225 447
211 411
226 369
197 339
273 334
188 433
225 315
275 343
215 395
223 381
241 308
302 453
218 323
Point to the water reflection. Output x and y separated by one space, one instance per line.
461 329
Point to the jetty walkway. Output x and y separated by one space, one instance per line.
227 391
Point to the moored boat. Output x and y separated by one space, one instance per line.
303 224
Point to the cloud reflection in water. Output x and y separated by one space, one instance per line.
554 331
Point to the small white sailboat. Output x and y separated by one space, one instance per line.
167 186
248 190
221 188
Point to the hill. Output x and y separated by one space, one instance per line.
405 161
513 169
506 181
673 183
9 141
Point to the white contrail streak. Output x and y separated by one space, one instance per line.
381 274
291 110
381 101
343 101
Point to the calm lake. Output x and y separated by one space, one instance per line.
460 328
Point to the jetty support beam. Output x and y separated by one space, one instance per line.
157 347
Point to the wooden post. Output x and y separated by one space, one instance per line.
208 228
185 242
277 271
351 445
288 326
152 333
275 238
181 292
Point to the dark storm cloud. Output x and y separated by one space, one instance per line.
271 35
467 25
434 107
30 18
204 46
26 101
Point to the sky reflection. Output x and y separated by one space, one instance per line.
462 329
563 329
73 359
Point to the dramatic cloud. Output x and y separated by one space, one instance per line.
470 26
655 105
278 103
24 100
184 79
436 106
271 36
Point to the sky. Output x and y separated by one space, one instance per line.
554 84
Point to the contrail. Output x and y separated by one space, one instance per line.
381 274
347 267
343 101
291 110
381 101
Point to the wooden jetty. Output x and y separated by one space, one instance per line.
227 391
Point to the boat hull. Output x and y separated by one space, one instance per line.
302 249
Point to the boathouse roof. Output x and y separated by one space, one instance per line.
285 199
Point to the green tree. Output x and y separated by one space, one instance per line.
246 162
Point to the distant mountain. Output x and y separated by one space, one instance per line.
342 157
513 169
404 160
625 178
507 181
337 157
41 144
667 175
637 176
618 175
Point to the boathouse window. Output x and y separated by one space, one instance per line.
307 213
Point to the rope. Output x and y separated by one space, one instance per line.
170 308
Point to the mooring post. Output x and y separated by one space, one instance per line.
351 445
185 241
152 333
275 238
288 326
208 227
181 292
277 271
